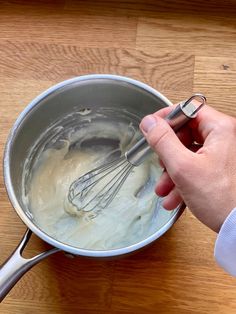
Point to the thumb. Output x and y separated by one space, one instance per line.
163 140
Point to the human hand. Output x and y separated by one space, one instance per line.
204 179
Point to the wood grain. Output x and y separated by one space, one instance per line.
175 46
151 8
58 26
195 34
166 71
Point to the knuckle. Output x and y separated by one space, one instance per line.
182 172
179 171
228 124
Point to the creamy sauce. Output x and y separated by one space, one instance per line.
130 218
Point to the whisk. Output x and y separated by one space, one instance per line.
96 189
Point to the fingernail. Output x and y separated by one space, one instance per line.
148 123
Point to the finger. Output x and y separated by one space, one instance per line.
164 185
172 200
207 120
165 143
161 163
200 129
195 147
185 136
186 139
206 113
164 111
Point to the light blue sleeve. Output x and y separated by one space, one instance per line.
225 246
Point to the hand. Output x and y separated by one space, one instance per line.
204 179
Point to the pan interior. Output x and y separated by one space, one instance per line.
73 146
45 123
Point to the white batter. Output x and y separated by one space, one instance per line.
128 219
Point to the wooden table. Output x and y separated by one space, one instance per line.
175 46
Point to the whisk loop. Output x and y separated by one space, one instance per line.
96 189
83 193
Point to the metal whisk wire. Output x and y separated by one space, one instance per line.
88 184
96 189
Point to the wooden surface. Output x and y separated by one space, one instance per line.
175 46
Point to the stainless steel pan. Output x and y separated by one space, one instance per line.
91 91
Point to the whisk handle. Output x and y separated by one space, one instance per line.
179 116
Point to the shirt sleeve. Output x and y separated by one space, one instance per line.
225 246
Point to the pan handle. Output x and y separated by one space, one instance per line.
16 265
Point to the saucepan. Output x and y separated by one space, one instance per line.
63 99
